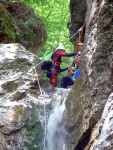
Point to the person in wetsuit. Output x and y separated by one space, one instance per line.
56 59
74 72
77 60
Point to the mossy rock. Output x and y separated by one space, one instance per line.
36 132
19 24
7 27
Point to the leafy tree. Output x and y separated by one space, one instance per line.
55 14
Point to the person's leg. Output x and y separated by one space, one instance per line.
63 82
53 82
69 80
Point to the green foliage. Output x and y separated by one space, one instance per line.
47 55
45 77
55 14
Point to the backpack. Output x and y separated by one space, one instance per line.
46 65
48 73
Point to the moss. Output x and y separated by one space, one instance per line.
39 106
110 9
31 23
99 68
49 107
10 86
36 132
18 24
28 37
7 26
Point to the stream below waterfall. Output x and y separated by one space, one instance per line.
55 128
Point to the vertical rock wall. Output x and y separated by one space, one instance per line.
77 11
90 92
20 126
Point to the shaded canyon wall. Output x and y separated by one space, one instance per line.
88 97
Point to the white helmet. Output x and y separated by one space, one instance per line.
60 47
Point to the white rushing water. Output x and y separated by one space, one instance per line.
55 138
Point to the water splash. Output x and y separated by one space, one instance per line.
55 127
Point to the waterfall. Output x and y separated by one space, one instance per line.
55 128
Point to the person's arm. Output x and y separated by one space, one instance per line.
64 54
64 69
71 54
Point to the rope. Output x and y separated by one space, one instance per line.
73 35
39 63
38 81
66 41
42 95
80 36
80 31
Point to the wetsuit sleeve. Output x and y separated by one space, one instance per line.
64 69
71 54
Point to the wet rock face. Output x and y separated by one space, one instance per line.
91 91
105 138
19 121
21 26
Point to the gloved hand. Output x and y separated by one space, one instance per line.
79 52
